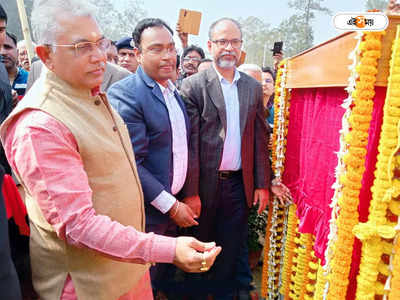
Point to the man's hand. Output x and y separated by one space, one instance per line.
261 196
194 203
182 215
183 36
14 98
276 60
282 193
191 254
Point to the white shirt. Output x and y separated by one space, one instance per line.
164 200
231 157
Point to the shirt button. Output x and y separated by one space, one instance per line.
115 128
97 102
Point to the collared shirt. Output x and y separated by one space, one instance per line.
164 200
19 83
231 155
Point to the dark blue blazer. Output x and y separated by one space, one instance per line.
139 101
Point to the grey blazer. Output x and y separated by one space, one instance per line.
112 74
205 106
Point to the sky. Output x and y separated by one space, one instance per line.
272 12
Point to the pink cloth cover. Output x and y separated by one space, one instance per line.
312 143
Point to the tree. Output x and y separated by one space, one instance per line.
295 32
306 14
376 4
256 38
116 20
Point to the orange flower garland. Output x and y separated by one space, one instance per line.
354 160
290 245
373 266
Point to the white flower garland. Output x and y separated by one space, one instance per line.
276 236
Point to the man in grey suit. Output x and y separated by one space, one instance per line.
228 161
112 74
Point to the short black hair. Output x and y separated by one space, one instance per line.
3 14
147 23
13 37
178 61
269 70
193 48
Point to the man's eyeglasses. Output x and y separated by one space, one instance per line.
194 59
268 81
224 43
85 48
159 50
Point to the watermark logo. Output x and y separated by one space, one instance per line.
369 21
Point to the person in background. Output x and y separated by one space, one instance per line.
126 55
268 84
112 53
191 58
83 194
205 63
17 76
23 59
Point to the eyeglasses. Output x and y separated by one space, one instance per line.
159 50
224 43
268 81
85 48
194 59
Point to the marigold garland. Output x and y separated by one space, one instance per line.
290 245
343 160
395 282
320 285
372 271
348 200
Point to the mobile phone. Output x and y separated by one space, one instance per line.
277 48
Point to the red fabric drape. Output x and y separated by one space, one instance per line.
312 143
15 207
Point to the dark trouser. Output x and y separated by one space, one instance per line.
226 224
162 274
244 277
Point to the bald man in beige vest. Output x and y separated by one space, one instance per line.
72 154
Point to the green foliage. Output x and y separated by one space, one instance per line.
257 224
376 4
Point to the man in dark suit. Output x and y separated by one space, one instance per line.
229 168
159 129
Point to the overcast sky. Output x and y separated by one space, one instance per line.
272 12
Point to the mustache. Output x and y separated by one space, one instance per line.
228 53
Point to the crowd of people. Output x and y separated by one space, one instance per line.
137 163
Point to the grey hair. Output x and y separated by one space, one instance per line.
250 67
46 15
212 27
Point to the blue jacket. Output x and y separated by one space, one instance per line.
139 101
